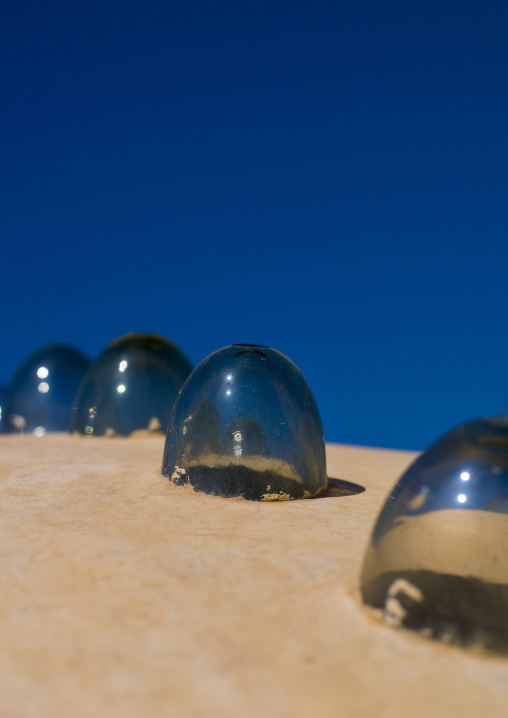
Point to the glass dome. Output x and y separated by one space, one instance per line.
3 396
246 424
437 560
131 387
41 395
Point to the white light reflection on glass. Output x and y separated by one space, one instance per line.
43 387
39 431
237 436
42 372
120 388
229 377
465 476
228 392
462 498
122 366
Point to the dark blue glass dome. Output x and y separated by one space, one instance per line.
437 560
131 387
3 396
41 395
246 424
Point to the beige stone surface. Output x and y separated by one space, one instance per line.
124 595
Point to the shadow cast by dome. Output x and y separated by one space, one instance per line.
340 487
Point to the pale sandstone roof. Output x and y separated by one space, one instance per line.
124 595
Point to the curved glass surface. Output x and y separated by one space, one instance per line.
3 396
246 424
437 560
41 395
131 387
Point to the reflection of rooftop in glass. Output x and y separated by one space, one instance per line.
263 441
436 562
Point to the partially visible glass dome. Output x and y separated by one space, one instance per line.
131 387
246 424
3 396
437 560
41 395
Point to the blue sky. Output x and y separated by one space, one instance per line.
326 178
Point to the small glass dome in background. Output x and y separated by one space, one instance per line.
131 387
246 424
3 396
437 560
41 395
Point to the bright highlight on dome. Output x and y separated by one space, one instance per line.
36 406
131 387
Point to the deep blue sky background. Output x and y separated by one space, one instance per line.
327 178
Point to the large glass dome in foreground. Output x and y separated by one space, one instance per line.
437 560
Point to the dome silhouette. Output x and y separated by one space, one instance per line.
42 392
131 387
437 560
246 424
3 396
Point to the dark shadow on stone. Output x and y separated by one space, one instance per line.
341 487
